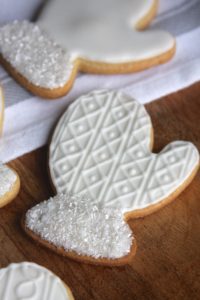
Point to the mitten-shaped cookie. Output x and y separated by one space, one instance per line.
91 36
102 148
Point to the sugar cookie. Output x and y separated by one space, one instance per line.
28 280
9 180
101 153
89 36
9 184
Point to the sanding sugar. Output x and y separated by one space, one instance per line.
7 179
34 55
73 223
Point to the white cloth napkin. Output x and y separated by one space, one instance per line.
29 119
18 9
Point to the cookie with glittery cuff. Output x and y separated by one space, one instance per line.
93 36
28 280
102 148
72 226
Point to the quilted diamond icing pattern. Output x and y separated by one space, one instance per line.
101 147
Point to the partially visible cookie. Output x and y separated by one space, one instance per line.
1 110
28 280
9 184
92 36
9 179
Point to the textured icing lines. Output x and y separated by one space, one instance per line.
157 177
107 189
106 143
73 141
80 180
172 164
82 142
31 282
135 162
96 168
132 158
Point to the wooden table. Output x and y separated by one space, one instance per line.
167 263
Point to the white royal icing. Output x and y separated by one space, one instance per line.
104 30
34 55
7 180
29 281
101 147
77 225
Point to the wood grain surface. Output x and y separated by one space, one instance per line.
167 263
